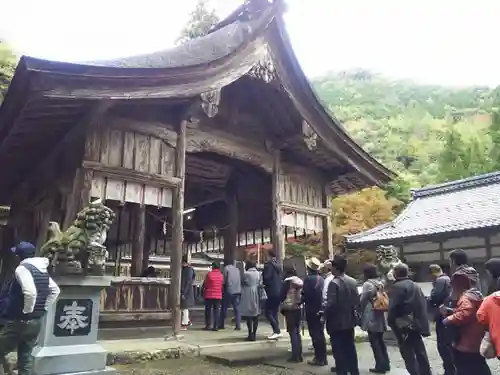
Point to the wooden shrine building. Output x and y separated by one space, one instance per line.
221 134
461 214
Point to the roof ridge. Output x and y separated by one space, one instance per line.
465 183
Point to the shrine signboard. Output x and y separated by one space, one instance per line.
73 317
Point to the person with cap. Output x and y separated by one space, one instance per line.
212 293
313 304
30 295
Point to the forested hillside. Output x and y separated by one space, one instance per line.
427 134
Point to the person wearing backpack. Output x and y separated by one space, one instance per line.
409 321
291 301
30 295
374 303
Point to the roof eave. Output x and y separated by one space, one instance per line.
327 127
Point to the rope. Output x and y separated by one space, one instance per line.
165 223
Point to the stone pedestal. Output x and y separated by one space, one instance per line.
68 340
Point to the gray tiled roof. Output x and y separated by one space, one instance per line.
471 203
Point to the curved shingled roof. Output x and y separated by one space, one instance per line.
468 204
227 53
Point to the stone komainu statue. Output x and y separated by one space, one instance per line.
387 259
80 248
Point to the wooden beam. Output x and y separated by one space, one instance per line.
76 131
130 175
276 227
178 229
305 209
327 234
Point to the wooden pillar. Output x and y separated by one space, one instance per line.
79 196
138 217
327 227
276 228
45 214
178 228
147 247
231 232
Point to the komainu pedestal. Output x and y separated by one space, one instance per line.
68 340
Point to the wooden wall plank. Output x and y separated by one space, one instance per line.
93 146
155 155
128 150
105 146
98 187
167 159
151 196
116 148
115 190
141 159
133 192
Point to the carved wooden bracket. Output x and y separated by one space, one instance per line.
310 136
210 101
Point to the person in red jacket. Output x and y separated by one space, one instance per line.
212 293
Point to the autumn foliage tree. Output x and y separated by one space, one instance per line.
357 212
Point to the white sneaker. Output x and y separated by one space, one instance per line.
274 336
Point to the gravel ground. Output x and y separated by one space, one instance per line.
197 366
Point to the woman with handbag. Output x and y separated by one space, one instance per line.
252 293
373 317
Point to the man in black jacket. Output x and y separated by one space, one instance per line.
341 314
313 304
408 319
272 278
440 295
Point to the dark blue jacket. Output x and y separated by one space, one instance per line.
272 278
14 302
312 292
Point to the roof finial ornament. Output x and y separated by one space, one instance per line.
310 136
210 102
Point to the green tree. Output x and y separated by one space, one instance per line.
201 20
8 62
463 156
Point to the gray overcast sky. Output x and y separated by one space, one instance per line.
452 42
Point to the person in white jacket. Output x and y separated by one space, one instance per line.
28 299
327 266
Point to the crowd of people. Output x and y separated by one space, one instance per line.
467 324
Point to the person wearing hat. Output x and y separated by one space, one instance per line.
313 305
30 295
